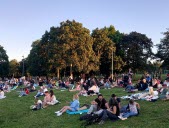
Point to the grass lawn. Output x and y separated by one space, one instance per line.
15 113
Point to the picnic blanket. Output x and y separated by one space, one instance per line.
77 112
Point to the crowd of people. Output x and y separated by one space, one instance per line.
153 88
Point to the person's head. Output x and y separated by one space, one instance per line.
151 91
144 80
100 97
51 93
1 89
113 96
75 97
131 101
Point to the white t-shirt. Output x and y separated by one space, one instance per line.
2 94
133 108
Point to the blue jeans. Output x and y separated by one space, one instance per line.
106 114
128 114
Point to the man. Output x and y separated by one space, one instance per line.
98 105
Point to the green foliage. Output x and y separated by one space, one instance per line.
14 68
137 49
4 63
163 52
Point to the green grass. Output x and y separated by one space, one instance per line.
15 113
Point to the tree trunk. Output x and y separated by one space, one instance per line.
58 73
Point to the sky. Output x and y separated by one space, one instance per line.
24 21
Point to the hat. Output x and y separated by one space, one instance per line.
45 90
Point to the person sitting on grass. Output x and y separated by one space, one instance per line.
39 93
84 89
74 106
130 88
113 112
47 98
37 104
98 105
163 94
93 89
133 110
2 94
53 100
77 88
24 92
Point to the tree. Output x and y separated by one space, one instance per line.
162 50
77 47
4 63
137 49
14 68
36 60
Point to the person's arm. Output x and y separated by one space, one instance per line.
137 105
114 110
107 105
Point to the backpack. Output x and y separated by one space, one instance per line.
89 119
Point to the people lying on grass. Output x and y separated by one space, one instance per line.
164 91
93 89
77 88
132 110
149 95
40 93
74 106
47 99
152 94
130 88
53 100
37 104
23 92
84 89
112 113
142 85
2 94
98 105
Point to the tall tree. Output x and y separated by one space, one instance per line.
77 46
4 63
163 49
138 48
36 60
104 46
14 68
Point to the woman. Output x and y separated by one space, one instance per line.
93 89
53 100
112 113
46 98
74 106
132 108
2 94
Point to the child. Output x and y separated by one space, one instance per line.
74 106
37 105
